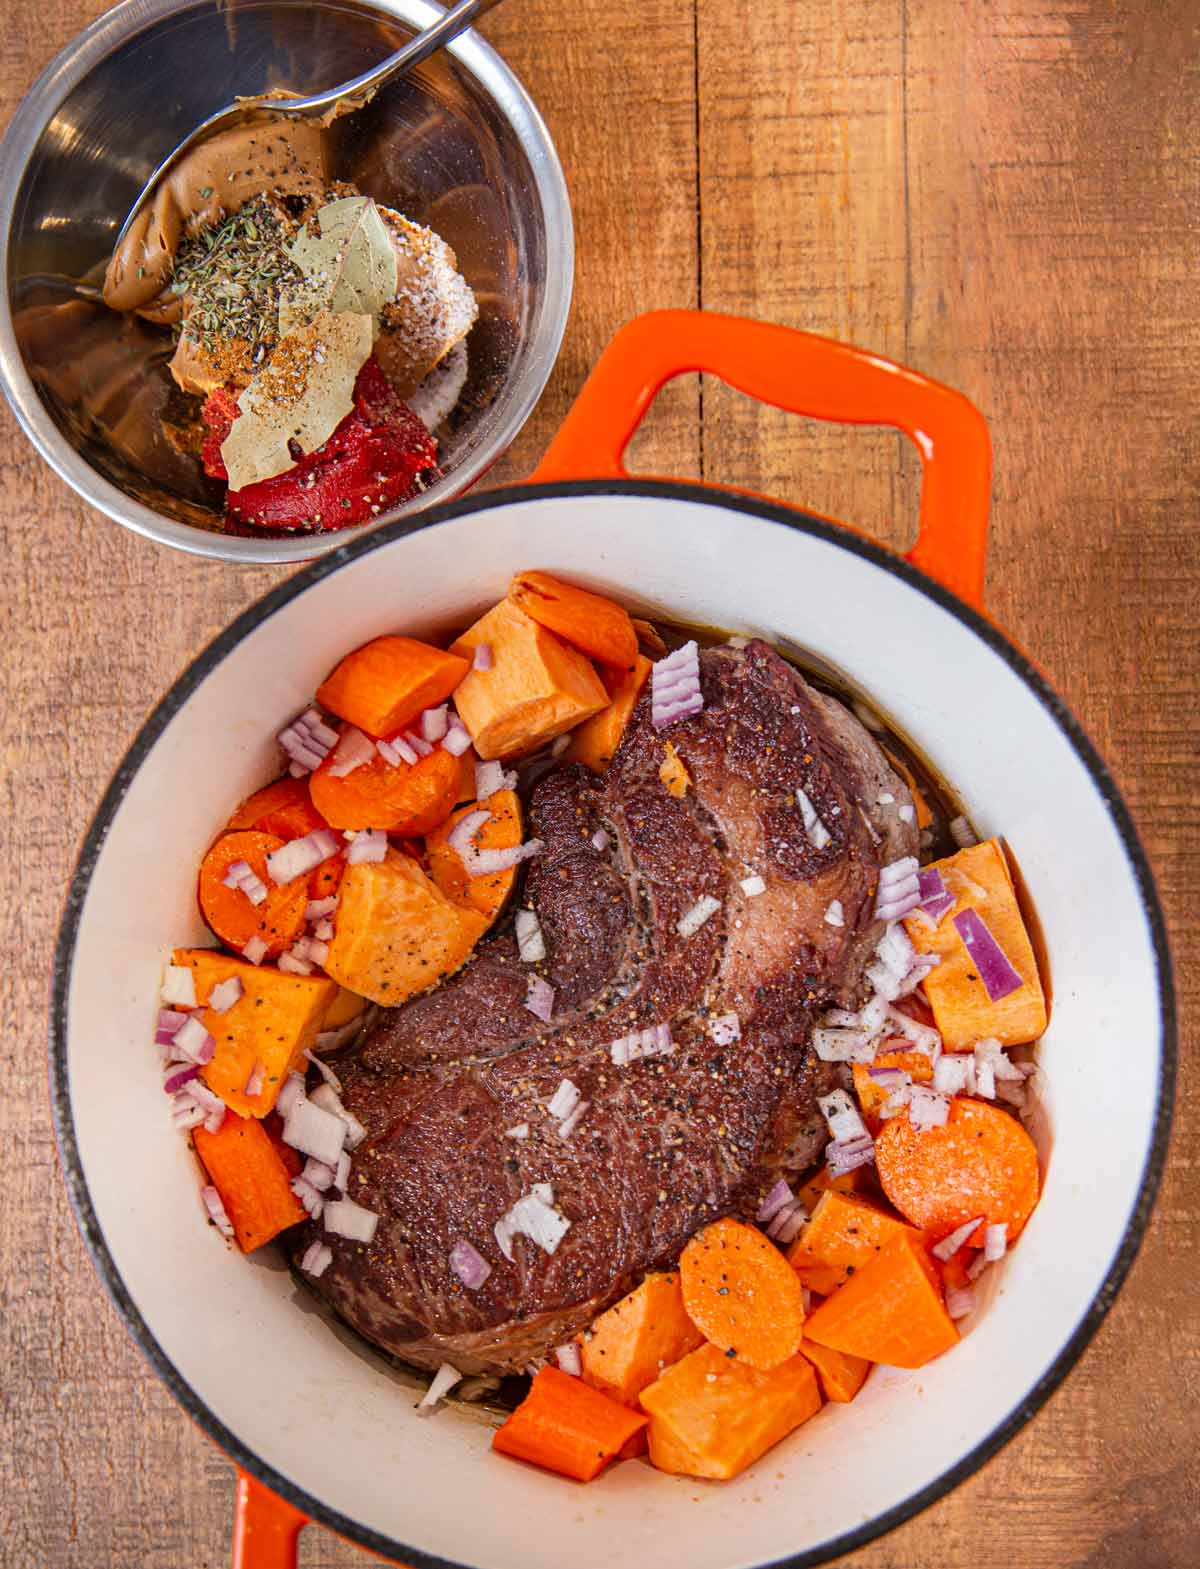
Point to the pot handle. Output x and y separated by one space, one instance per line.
266 1530
804 374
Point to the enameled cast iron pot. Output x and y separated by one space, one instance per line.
322 1428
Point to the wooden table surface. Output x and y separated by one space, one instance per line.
1004 193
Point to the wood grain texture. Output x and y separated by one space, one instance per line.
1002 192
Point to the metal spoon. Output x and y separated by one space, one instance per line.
345 99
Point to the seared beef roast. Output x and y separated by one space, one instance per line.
667 1143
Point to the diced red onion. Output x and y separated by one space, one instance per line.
418 743
169 1020
995 1242
873 1015
326 1072
369 844
314 1131
317 1259
457 738
949 1246
991 962
193 1042
179 986
788 1223
318 1175
843 1045
211 1105
178 1075
531 944
726 1029
216 1210
841 1116
960 1301
539 998
255 950
443 1382
186 1113
817 833
899 889
520 1130
569 1358
652 1042
300 856
564 1100
532 1216
775 1200
294 964
483 657
600 840
242 877
225 993
308 1196
922 965
888 1078
954 1073
341 1174
936 898
490 777
352 751
835 915
327 1099
693 919
345 1218
926 1108
396 751
924 1038
568 1125
753 886
675 691
470 1266
254 1083
841 1157
895 951
977 1266
435 722
484 863
307 741
897 1101
318 909
962 833
1013 1095
323 932
290 1093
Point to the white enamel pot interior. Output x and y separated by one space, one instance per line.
309 1410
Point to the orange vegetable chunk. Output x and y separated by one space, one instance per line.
395 932
275 1020
842 1235
629 1345
568 1427
597 739
712 1416
889 1311
278 920
407 799
598 626
856 1181
980 1162
674 774
487 894
742 1293
384 685
840 1375
980 880
254 1184
284 808
537 688
871 1094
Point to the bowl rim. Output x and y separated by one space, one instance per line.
34 112
833 533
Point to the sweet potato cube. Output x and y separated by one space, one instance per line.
980 880
254 1184
384 685
270 1026
537 687
395 932
841 1376
629 1345
487 894
842 1235
598 738
712 1416
891 1310
598 626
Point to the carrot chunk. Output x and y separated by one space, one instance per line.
597 739
889 1311
269 1028
740 1291
489 893
712 1416
841 1375
384 685
628 1346
536 688
278 920
980 1162
980 880
253 1181
598 626
284 809
565 1426
408 799
842 1235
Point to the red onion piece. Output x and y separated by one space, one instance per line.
435 722
726 1029
291 1092
442 1383
779 1195
842 1157
353 750
216 1210
949 1246
193 1042
309 1196
531 944
815 830
652 1042
569 1123
519 1131
752 887
318 909
995 1242
600 840
484 863
255 950
211 1105
977 1266
835 915
317 1259
470 1266
300 856
675 691
564 1100
936 898
927 1109
345 1218
327 1099
225 993
788 1223
490 777
843 1045
396 751
991 962
899 889
318 1175
539 998
570 1358
960 1301
254 1083
962 833
185 1113
483 657
369 844
418 743
532 1216
169 1020
457 738
341 1172
294 964
326 1072
690 922
179 986
841 1117
314 1131
179 1075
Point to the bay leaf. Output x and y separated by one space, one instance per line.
350 266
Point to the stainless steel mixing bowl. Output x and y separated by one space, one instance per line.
457 144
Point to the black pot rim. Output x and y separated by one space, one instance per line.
773 512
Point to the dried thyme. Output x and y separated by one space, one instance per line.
233 275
